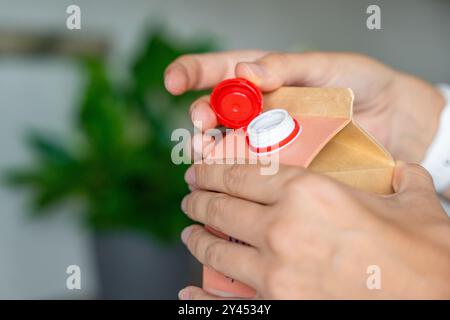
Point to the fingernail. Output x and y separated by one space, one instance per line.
197 143
174 82
168 82
183 204
189 176
195 118
185 234
256 69
183 294
202 116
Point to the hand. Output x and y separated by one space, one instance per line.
401 111
313 237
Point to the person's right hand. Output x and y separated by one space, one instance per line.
399 110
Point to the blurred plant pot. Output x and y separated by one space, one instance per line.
132 266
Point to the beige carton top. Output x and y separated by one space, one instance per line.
317 102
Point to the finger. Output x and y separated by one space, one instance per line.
234 260
240 219
411 176
274 70
202 71
202 145
242 180
196 293
202 115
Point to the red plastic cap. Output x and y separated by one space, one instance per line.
236 102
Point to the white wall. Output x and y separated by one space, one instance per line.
414 35
34 253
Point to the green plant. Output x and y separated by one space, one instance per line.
119 165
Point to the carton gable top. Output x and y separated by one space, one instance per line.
335 144
314 102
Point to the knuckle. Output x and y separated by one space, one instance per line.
201 174
234 177
190 64
326 69
194 242
275 59
313 186
313 181
213 254
275 236
191 202
294 185
327 187
302 184
216 208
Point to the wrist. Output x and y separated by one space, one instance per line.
437 159
419 106
446 194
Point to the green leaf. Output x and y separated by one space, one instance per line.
48 148
121 169
102 114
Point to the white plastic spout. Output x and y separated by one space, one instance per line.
270 128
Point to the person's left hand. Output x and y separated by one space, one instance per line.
313 237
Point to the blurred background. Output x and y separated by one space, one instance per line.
85 123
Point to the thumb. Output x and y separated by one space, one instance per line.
274 70
409 176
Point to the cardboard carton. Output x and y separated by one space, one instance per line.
334 144
330 143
